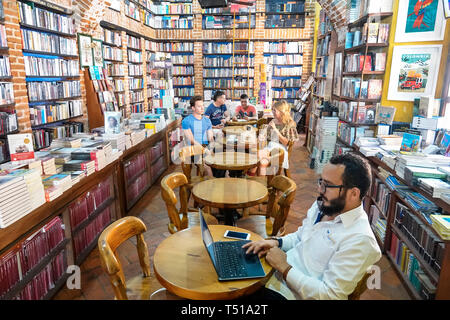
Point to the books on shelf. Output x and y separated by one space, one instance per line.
436 187
441 223
52 90
50 43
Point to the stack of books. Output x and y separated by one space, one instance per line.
137 136
48 165
441 224
410 160
325 141
434 186
66 143
446 170
87 166
412 174
90 154
62 181
14 199
76 176
34 184
117 140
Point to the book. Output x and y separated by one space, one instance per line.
20 146
374 88
428 106
410 142
385 115
380 61
372 32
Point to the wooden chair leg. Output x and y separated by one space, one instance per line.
287 173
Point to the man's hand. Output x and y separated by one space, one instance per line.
260 247
277 259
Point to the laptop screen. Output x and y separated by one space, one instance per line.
207 237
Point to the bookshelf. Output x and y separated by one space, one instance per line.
135 74
114 64
285 14
286 59
51 70
182 58
56 235
358 73
417 252
223 18
7 112
161 15
159 76
219 69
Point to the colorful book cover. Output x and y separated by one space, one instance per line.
375 87
20 146
410 142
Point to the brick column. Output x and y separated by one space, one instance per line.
17 65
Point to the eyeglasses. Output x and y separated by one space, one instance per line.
323 186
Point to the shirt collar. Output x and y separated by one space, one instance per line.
350 216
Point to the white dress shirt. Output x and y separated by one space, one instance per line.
328 258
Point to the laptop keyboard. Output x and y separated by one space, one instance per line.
229 259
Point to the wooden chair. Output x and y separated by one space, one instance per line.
360 288
179 218
276 158
287 172
186 154
281 194
108 242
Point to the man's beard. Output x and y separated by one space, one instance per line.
336 205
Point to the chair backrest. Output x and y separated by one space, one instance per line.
168 184
276 159
186 154
289 148
108 242
282 193
360 288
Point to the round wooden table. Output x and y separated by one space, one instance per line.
229 194
232 160
237 130
182 265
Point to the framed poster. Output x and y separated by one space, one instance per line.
420 20
97 52
337 75
446 4
414 72
85 49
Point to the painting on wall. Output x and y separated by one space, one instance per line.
420 20
415 72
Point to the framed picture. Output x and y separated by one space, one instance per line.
419 20
112 122
97 52
337 75
446 4
85 49
414 72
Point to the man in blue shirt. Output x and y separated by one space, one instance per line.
217 111
197 129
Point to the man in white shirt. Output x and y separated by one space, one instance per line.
330 253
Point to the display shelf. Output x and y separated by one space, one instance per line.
412 291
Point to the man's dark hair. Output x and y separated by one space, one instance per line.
357 172
244 96
194 99
217 94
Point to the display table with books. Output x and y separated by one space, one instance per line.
63 199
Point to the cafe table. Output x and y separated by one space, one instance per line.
182 265
229 194
237 130
235 162
241 122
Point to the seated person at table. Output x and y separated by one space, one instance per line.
330 253
197 128
245 110
278 133
217 111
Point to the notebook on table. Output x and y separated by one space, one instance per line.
229 258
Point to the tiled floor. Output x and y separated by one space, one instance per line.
151 209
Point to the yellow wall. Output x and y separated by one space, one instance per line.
404 108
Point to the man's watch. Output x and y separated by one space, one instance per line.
280 241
